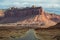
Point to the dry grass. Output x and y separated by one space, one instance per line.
11 34
48 34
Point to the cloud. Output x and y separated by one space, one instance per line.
24 3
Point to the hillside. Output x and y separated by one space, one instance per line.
33 17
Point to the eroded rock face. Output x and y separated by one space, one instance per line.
38 13
30 16
56 26
54 17
1 13
14 12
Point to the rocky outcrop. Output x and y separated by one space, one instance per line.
15 12
54 17
1 13
56 26
30 16
33 11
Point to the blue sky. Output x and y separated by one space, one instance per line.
23 3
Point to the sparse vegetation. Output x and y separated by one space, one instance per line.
12 34
42 34
48 34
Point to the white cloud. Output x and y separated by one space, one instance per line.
24 3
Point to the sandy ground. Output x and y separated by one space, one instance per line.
48 34
26 34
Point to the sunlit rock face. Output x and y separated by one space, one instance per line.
1 13
37 12
56 26
53 17
33 15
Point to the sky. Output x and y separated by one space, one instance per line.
28 3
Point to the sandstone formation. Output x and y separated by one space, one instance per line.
1 13
56 26
30 16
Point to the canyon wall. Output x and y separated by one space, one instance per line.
36 16
13 12
37 12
